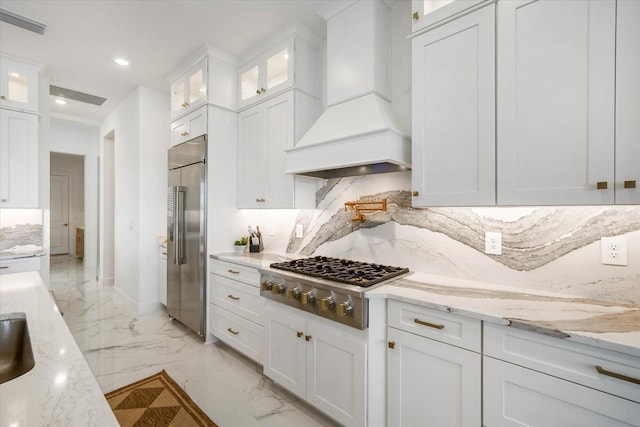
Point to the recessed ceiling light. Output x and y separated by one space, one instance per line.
14 74
61 101
122 61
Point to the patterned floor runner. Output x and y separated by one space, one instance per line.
156 401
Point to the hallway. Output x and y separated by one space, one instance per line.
121 347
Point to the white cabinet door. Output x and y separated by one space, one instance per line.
18 84
516 396
453 141
431 383
286 356
628 103
18 159
189 91
264 132
556 75
336 375
190 126
425 13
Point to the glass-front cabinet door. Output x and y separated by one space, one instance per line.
249 83
428 12
278 68
18 84
189 91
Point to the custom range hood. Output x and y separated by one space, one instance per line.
358 133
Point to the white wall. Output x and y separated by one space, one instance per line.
140 129
82 140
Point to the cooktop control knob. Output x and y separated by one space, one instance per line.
307 297
278 289
293 293
326 303
344 308
266 285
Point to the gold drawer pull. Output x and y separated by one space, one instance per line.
415 193
630 184
233 271
307 337
603 371
233 297
416 16
431 325
299 334
232 331
391 344
602 185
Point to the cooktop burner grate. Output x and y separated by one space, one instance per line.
357 273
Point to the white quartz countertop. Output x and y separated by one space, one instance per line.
60 390
594 322
253 259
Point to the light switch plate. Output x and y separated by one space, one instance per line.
614 250
493 243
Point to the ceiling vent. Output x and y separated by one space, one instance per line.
74 95
22 21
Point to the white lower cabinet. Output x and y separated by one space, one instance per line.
236 308
429 382
536 380
516 396
321 363
19 265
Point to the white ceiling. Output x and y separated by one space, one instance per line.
83 38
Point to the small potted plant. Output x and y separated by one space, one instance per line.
241 244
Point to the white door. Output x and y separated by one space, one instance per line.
59 193
430 383
453 143
555 85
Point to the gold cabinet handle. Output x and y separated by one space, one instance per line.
603 371
258 91
233 297
416 16
185 104
630 184
429 324
232 331
299 334
307 337
233 271
602 185
415 193
391 344
262 90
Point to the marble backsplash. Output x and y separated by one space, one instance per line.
551 248
20 231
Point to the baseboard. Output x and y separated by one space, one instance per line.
105 281
148 307
120 297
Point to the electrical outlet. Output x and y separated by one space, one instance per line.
614 250
299 231
493 243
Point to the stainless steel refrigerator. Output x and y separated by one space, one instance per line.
187 234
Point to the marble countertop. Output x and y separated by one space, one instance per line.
17 255
589 321
60 389
253 259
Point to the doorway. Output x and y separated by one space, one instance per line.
66 199
106 213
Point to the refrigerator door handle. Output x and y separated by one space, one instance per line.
179 224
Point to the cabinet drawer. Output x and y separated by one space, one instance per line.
19 265
448 328
237 297
239 333
248 275
564 359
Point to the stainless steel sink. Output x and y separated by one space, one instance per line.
16 355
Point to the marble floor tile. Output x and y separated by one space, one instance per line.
121 346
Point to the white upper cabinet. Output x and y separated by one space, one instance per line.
18 159
425 13
555 103
190 90
190 126
627 183
18 84
453 114
292 62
